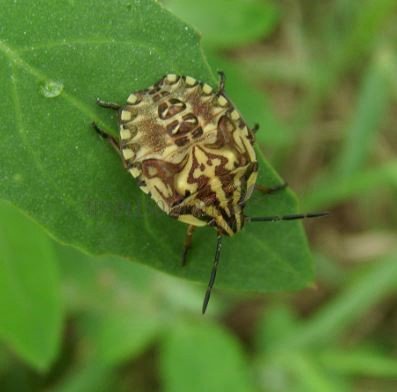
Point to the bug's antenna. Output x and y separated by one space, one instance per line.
213 272
276 218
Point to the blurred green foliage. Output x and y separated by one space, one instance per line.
321 78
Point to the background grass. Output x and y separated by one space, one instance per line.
321 79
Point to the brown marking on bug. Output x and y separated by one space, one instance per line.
170 108
197 133
172 127
182 141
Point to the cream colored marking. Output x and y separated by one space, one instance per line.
238 173
161 203
207 89
125 115
227 210
152 171
133 130
250 185
135 172
222 223
238 139
222 100
191 220
209 172
249 149
229 155
238 221
181 181
144 189
127 153
132 99
171 153
135 118
125 133
202 158
171 78
216 186
158 188
237 193
190 81
234 115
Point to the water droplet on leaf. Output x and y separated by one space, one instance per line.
51 89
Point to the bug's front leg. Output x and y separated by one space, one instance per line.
108 105
109 138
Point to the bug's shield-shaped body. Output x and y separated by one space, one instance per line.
191 151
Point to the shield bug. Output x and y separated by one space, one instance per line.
192 152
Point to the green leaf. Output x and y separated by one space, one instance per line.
227 23
360 135
371 20
57 59
310 376
274 325
331 190
203 357
30 305
362 362
117 337
331 320
251 101
118 315
91 378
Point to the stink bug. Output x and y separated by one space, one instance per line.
192 152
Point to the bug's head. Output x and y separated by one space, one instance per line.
228 221
220 206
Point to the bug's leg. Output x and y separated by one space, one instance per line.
108 105
221 86
110 139
255 128
188 243
267 190
213 272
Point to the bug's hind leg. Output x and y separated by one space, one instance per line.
188 243
109 138
268 190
